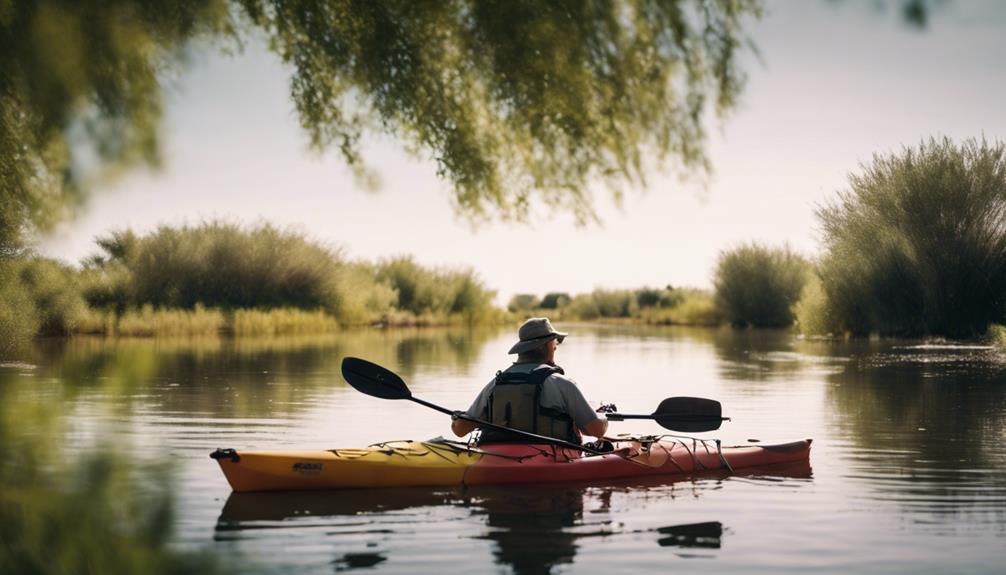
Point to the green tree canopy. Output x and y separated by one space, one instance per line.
80 96
515 100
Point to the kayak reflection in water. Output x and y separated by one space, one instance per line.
533 394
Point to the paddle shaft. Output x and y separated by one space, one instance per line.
624 416
529 435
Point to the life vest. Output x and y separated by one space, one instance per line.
515 402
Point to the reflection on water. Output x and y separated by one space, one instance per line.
531 529
706 535
909 455
213 369
927 422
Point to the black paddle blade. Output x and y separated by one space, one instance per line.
374 380
689 414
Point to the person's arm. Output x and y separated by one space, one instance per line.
585 418
462 427
596 428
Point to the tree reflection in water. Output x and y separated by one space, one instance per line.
929 419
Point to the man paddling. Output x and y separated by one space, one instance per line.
533 394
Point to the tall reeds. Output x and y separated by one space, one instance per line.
286 321
219 265
150 322
917 245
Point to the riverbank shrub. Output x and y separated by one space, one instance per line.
812 313
432 292
523 303
555 300
227 266
288 321
151 322
689 306
38 296
18 322
917 245
55 294
758 285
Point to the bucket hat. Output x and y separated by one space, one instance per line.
535 332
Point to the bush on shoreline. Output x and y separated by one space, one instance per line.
425 292
917 246
757 285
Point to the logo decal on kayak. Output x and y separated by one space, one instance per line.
307 468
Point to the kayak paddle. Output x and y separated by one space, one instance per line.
377 381
689 414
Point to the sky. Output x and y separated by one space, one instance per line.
834 83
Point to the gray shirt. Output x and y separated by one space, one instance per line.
557 392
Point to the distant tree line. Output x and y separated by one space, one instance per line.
667 305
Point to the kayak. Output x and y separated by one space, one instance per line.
442 463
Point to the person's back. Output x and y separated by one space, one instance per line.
533 394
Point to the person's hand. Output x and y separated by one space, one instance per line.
606 408
456 415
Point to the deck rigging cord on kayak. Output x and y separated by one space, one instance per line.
646 443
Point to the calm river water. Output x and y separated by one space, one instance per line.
907 472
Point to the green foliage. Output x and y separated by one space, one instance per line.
523 303
38 296
554 300
78 510
438 292
997 333
615 303
282 322
757 285
80 96
812 313
150 322
648 305
515 100
55 294
218 277
231 267
18 320
361 298
98 523
917 246
581 307
684 306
